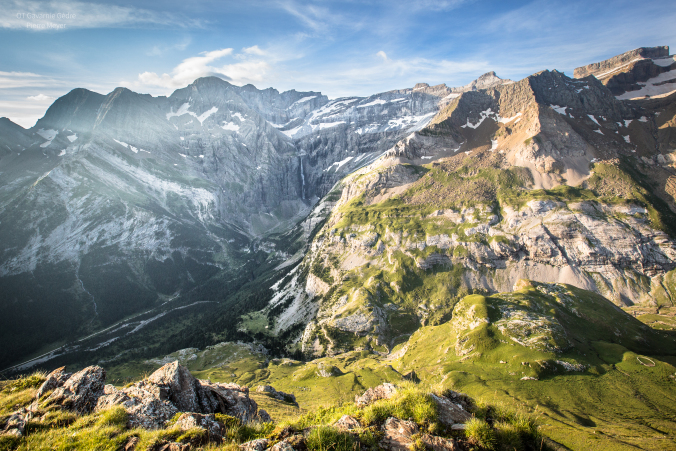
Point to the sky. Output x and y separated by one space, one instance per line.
341 48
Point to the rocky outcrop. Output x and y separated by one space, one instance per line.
347 423
449 412
55 379
383 391
81 391
280 395
255 445
398 435
190 420
150 403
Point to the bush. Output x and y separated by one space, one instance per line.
408 402
480 433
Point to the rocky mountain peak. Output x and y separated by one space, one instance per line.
646 72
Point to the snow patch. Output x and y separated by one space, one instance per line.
72 137
123 144
507 120
627 122
666 61
63 152
643 119
594 119
230 126
482 116
599 132
202 117
559 109
627 139
184 109
372 103
303 100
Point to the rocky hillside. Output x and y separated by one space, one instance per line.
550 178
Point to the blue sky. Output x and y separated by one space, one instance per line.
339 48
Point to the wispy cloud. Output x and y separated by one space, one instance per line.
40 98
40 16
11 80
250 68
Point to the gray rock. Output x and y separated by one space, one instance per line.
54 380
208 422
81 391
347 423
282 446
448 412
398 434
383 391
255 445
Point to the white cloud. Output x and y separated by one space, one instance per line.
253 51
383 55
62 15
250 69
40 98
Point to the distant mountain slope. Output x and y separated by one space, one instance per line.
119 204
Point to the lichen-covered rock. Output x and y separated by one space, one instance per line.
284 445
347 423
81 391
16 423
449 413
231 399
255 445
54 380
207 422
438 443
383 391
144 407
398 434
183 390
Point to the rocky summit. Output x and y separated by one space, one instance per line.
489 266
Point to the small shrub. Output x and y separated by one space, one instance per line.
326 438
227 420
409 402
480 433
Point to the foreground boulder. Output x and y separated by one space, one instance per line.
150 403
347 423
398 435
54 380
208 422
450 413
143 403
403 435
81 391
